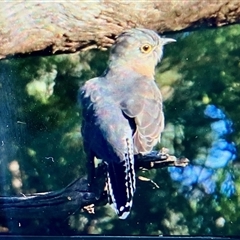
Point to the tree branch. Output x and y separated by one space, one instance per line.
47 28
77 195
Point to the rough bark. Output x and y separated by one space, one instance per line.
47 28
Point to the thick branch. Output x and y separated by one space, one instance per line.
57 27
77 195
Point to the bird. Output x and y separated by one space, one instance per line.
122 112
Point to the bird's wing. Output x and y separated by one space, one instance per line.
108 136
145 107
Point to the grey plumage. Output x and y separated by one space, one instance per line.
122 112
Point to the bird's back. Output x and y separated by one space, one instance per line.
108 136
122 111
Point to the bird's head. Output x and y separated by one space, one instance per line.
138 49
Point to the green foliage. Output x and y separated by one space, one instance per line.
201 68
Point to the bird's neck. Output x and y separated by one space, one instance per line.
144 70
137 69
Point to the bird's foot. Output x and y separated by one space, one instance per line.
171 159
160 159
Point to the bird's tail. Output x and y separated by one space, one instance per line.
121 185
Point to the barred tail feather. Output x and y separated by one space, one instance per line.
121 185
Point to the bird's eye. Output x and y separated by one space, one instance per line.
146 48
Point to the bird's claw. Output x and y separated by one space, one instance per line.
171 159
161 159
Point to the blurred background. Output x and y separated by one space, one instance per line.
41 144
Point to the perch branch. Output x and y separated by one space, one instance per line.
78 194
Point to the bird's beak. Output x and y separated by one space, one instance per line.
167 40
